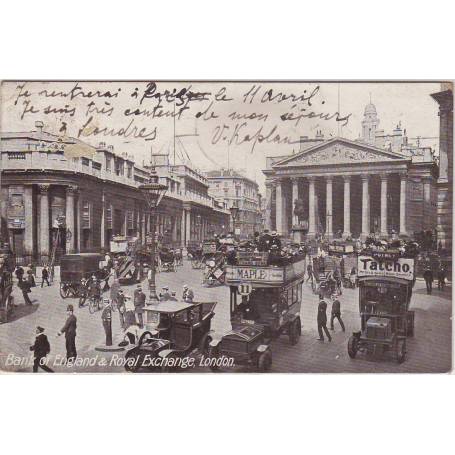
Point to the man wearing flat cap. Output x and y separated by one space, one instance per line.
69 329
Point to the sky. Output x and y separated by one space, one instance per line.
217 124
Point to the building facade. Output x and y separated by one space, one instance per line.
62 195
236 190
445 182
344 188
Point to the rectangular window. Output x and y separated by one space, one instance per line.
108 164
119 169
130 219
96 165
85 161
86 215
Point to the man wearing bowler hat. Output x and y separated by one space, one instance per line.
69 329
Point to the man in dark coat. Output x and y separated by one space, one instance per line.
69 329
45 276
41 349
336 313
25 287
322 321
428 277
441 276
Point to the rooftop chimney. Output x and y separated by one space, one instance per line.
39 125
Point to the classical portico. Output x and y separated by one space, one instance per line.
343 188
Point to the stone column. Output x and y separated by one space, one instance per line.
347 207
70 224
311 207
329 208
44 222
384 231
403 178
29 221
428 213
79 222
365 207
295 196
183 229
279 211
188 226
268 206
103 220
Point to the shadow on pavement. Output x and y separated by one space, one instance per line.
445 294
22 311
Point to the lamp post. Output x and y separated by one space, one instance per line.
234 213
153 192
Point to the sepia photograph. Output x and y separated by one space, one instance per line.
159 226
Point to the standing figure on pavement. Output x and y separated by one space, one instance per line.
188 294
428 277
338 280
45 276
41 349
441 276
309 270
69 329
139 304
130 316
322 321
120 302
24 286
336 313
106 317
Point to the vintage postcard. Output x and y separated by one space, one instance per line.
226 226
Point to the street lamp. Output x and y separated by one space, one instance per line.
153 192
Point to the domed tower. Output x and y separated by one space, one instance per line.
370 123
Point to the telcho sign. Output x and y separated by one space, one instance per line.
395 268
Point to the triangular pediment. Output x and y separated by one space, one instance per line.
339 151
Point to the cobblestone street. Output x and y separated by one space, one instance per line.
429 351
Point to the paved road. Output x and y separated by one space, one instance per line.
428 351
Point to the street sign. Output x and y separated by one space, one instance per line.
245 289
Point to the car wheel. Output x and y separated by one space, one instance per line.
353 346
213 353
204 344
265 361
64 291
